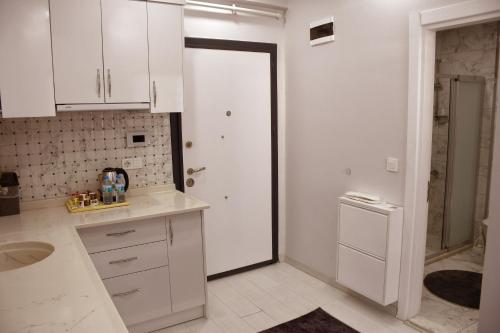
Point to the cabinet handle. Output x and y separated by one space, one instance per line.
98 80
122 261
109 82
171 230
126 293
123 233
154 93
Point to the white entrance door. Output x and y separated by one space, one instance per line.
228 121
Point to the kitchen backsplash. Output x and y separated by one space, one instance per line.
57 156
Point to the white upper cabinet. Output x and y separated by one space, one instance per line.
166 44
26 81
77 51
125 50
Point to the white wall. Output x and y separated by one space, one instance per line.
254 29
346 108
489 320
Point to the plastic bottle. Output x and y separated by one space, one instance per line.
107 191
120 188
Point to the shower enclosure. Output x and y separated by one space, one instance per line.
455 160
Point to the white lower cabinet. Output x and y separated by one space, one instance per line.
154 283
185 252
141 296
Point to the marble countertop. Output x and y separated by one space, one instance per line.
64 293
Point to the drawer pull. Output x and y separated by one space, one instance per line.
118 234
122 261
126 293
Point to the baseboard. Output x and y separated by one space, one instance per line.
314 273
167 321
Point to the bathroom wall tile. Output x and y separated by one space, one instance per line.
57 156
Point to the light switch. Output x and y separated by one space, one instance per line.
392 164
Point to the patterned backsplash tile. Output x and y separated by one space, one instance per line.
54 157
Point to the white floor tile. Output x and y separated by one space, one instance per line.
263 298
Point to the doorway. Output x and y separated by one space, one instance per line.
423 28
225 150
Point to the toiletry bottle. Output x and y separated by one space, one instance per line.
107 191
120 188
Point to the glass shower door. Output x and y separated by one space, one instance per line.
463 155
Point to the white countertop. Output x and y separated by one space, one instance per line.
64 293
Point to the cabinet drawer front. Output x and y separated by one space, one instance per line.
361 273
363 229
122 235
140 297
130 259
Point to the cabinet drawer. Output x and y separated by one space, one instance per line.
142 296
361 273
130 259
121 235
363 229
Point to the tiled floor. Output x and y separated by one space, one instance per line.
257 300
439 316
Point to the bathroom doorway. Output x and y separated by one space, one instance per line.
465 86
464 99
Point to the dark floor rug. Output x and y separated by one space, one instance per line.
459 287
317 321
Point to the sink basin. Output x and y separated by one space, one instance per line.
21 254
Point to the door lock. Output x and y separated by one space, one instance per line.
189 144
190 182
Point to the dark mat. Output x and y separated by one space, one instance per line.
459 287
317 321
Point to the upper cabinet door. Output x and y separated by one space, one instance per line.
26 81
166 44
77 51
125 49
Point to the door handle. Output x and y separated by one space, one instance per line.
109 82
154 93
171 232
192 171
98 80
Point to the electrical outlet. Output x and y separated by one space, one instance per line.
392 164
132 163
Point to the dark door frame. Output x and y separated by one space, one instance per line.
176 133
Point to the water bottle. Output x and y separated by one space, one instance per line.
120 188
107 191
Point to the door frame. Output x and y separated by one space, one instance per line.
176 134
422 43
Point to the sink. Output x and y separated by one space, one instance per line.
21 254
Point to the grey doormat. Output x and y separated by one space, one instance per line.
459 287
317 321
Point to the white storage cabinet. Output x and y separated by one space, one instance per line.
166 45
26 81
369 249
154 269
100 54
